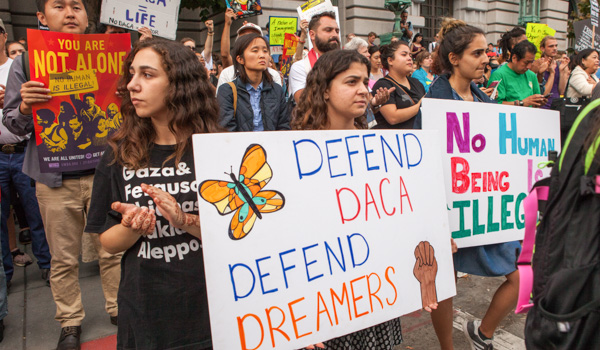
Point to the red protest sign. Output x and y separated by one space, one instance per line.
82 72
289 44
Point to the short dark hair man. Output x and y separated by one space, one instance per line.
64 223
554 78
371 38
324 33
517 84
406 27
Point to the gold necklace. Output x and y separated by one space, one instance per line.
461 96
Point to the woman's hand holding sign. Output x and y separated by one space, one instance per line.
316 346
425 271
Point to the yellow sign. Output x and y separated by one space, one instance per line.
279 26
536 32
310 4
71 82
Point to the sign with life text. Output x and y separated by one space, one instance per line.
311 235
82 72
491 155
245 8
160 16
584 33
279 27
536 32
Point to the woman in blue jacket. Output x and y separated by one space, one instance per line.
461 58
252 102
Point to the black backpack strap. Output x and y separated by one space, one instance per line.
25 63
571 316
575 139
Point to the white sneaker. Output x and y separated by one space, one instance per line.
471 329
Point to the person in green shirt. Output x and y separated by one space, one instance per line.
516 84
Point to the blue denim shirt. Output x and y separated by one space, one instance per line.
255 102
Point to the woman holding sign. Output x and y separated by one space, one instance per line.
461 58
162 294
252 101
336 98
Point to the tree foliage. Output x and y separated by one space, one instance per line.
207 7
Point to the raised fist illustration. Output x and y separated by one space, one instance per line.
425 271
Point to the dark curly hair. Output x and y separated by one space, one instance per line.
311 112
454 37
190 101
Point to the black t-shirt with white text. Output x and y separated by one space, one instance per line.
162 296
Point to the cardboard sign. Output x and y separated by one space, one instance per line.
536 32
82 72
491 156
594 12
350 222
279 27
245 8
160 16
583 35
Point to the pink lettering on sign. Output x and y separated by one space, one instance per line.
463 140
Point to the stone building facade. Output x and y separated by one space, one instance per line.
357 16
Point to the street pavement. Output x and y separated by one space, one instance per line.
30 324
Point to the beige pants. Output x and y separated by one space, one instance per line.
64 211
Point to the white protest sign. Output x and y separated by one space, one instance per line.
276 50
491 154
160 16
313 7
351 221
594 12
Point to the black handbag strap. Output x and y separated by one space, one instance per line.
393 81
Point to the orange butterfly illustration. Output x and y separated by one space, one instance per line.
244 195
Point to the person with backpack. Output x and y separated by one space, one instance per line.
64 224
252 101
566 262
461 58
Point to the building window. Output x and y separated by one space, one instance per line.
434 11
529 12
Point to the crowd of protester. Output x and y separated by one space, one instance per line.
169 92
